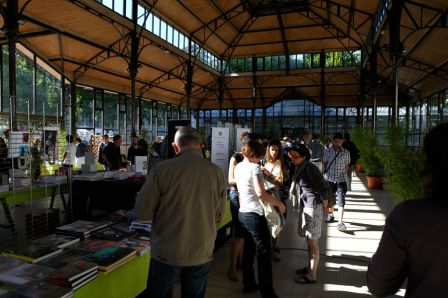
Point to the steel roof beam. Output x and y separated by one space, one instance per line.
224 14
201 21
94 44
285 43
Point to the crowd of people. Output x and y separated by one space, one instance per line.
186 196
309 173
262 174
109 153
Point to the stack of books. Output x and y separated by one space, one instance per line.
41 289
89 165
72 271
141 246
112 234
25 274
110 258
92 245
58 241
52 179
32 253
80 228
140 225
8 263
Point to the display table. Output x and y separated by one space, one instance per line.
35 192
108 195
130 279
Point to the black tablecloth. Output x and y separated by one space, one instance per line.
109 195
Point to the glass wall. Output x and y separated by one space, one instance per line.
296 61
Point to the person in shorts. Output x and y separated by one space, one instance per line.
314 192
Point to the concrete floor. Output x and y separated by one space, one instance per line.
345 255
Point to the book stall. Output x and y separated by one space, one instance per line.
107 258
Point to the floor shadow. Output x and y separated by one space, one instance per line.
362 210
348 199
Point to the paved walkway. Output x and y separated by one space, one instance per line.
345 254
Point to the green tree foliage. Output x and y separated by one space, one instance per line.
367 145
48 88
402 165
84 107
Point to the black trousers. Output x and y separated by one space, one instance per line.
257 240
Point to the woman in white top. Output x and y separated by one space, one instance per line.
69 154
250 182
273 174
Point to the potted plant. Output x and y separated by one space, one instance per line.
368 146
402 166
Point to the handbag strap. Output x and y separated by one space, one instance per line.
331 163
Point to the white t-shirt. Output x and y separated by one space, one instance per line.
245 174
70 149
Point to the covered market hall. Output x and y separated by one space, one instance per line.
76 73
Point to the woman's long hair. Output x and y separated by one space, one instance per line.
279 160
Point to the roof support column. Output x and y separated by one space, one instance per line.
362 94
72 130
11 25
374 80
62 110
234 116
322 93
395 47
263 122
189 80
189 87
133 63
254 90
221 95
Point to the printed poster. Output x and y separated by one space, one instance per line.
220 148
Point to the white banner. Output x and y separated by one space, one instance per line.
239 131
220 148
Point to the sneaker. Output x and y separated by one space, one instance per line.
342 227
330 219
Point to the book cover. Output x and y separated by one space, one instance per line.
66 257
42 289
25 274
32 253
117 217
54 240
74 270
81 227
8 263
108 256
74 283
141 246
112 234
93 245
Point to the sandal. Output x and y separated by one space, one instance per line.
304 280
302 271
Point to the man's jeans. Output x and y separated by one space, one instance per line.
162 277
257 239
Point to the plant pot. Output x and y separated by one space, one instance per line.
374 182
359 168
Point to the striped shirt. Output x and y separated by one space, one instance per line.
335 170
